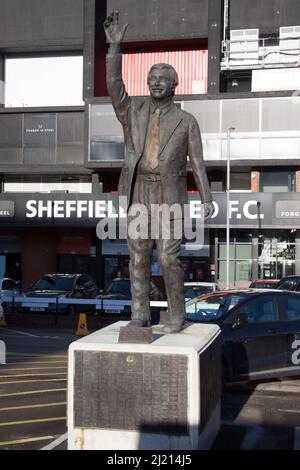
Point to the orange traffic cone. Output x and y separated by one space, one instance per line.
82 329
2 316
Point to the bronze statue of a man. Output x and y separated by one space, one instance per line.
158 138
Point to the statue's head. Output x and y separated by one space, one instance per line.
162 81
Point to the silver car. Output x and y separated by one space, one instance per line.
8 288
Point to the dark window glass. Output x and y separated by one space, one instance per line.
190 292
279 182
211 307
9 285
291 307
260 309
288 284
119 287
55 283
240 181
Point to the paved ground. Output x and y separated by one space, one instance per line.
263 416
33 399
33 387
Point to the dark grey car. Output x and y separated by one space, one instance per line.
260 331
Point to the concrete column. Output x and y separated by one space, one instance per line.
254 257
215 31
297 252
2 66
255 181
216 258
89 49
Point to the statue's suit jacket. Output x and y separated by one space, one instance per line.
179 137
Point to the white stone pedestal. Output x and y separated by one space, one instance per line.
159 396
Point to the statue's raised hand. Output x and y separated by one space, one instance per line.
114 33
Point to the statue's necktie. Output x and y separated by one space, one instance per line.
153 143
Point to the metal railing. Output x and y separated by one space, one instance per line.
53 304
260 52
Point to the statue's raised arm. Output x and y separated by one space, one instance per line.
114 33
115 85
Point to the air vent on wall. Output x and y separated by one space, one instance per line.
244 44
289 38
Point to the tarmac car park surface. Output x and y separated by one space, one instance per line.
33 387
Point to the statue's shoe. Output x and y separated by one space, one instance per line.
139 322
172 328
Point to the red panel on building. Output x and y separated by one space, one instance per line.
74 242
191 67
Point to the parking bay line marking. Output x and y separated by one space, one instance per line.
33 368
32 392
22 333
33 421
42 374
46 356
26 407
25 441
31 381
38 362
56 443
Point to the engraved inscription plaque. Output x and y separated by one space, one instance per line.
131 391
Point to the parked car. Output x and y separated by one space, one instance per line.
289 283
120 287
194 289
259 330
55 285
264 284
119 290
8 288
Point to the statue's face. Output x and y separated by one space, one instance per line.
160 84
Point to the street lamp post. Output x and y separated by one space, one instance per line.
228 207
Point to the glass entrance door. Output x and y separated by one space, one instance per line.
276 257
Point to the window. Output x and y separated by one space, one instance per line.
47 184
211 307
291 307
9 285
277 182
240 181
85 281
43 81
289 284
260 309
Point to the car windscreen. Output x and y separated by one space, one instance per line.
287 284
211 307
191 292
263 285
55 283
119 287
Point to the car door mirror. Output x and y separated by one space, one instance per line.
240 320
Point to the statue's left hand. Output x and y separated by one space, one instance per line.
209 210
